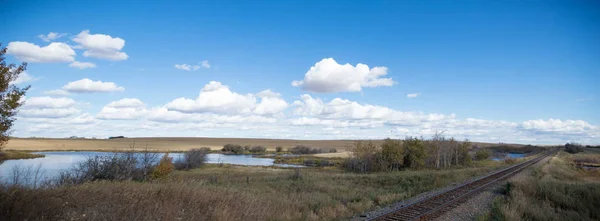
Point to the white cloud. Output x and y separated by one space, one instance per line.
205 64
558 126
48 102
82 65
124 109
126 102
270 103
48 107
51 36
217 98
57 92
48 112
54 52
101 46
88 86
162 114
24 77
187 67
413 95
329 76
349 110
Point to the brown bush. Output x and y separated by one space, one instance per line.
164 167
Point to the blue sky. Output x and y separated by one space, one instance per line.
502 71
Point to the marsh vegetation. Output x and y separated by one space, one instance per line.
557 190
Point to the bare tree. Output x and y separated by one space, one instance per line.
10 95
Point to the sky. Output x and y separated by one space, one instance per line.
494 71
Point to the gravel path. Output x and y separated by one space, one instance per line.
475 207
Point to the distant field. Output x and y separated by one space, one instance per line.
173 144
165 144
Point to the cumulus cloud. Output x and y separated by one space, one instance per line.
329 76
344 109
412 95
51 36
48 102
54 52
218 98
101 46
271 103
82 65
48 107
124 109
126 103
187 67
23 77
88 86
558 126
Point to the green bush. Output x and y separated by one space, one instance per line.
278 149
482 154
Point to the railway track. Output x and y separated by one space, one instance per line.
437 205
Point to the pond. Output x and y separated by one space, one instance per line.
511 155
56 161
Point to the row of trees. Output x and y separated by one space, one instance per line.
413 152
238 149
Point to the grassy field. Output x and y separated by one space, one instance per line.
558 190
216 192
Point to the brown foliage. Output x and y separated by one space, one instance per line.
164 167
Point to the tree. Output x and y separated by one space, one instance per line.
414 152
10 96
392 154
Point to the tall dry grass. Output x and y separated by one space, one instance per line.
556 191
228 193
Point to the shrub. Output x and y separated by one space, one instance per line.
164 167
192 159
278 149
233 148
301 149
258 149
482 154
119 166
247 147
332 150
573 148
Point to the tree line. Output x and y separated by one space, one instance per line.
412 152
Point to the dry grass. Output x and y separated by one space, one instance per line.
230 193
165 144
558 190
15 155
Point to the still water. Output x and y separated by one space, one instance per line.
56 161
511 155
